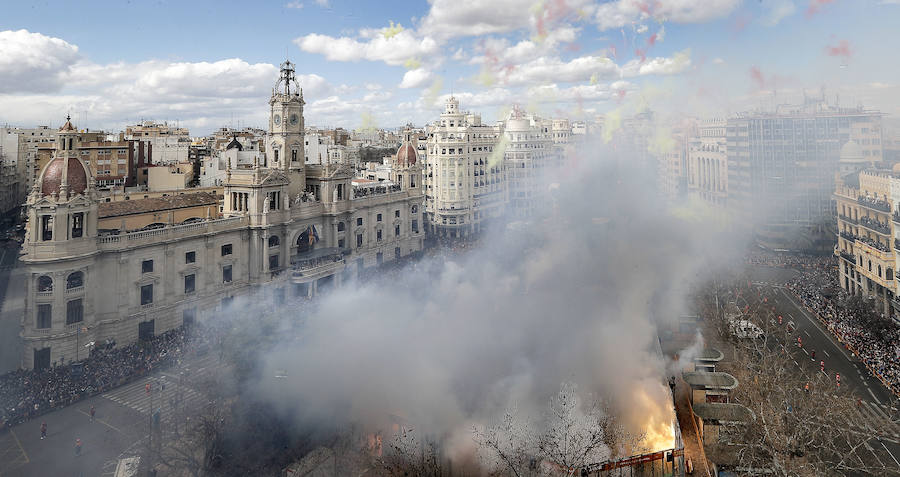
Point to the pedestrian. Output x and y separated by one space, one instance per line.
43 430
77 446
93 411
806 388
813 354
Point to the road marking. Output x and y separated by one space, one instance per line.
873 395
16 438
826 353
102 422
804 350
807 334
827 334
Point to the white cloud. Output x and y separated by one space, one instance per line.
551 70
552 93
33 63
454 18
718 61
297 5
393 50
377 96
777 10
658 66
416 78
323 3
474 101
619 13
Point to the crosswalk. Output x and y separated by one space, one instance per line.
171 392
874 419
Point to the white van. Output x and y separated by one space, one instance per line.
746 330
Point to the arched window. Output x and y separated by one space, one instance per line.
340 226
75 280
304 243
273 241
45 284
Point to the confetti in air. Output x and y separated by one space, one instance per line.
842 49
392 30
368 123
815 6
757 76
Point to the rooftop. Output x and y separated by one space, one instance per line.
710 354
715 380
142 206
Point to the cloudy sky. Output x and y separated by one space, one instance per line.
210 64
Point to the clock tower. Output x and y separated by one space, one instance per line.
284 142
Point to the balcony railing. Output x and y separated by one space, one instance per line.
45 293
847 235
874 244
896 244
73 291
876 204
874 225
896 217
852 220
362 192
309 262
846 256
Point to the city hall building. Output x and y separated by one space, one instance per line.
287 227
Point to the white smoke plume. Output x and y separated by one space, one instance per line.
455 340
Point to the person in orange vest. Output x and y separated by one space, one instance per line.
806 387
93 411
779 319
147 387
822 365
799 342
813 354
837 378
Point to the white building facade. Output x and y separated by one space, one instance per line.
287 229
465 183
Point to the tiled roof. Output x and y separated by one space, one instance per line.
156 204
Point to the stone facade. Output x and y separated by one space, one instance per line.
465 178
286 228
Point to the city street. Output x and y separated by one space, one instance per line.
878 408
12 302
120 428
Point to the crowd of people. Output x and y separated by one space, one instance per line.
25 394
818 289
790 260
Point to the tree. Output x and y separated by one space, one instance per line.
573 435
795 431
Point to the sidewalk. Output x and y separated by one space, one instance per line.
690 435
12 306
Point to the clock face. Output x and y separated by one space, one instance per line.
294 120
277 119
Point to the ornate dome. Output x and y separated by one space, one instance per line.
52 177
406 155
851 152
